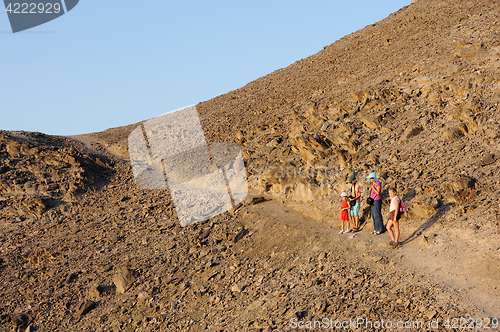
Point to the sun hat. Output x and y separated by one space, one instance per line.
344 194
372 176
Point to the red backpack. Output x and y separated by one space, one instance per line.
402 209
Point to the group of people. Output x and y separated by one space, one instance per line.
351 202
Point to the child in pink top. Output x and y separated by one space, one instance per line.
394 217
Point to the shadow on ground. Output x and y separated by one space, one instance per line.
428 224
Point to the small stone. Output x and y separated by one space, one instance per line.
431 314
355 274
85 307
240 235
20 321
409 133
418 189
320 307
142 296
488 159
435 203
462 182
218 287
203 290
72 276
377 258
95 291
204 234
453 133
214 299
301 314
123 280
236 288
257 200
204 252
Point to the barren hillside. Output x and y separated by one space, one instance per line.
413 97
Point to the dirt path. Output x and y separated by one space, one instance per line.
441 258
463 260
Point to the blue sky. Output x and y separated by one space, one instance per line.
112 63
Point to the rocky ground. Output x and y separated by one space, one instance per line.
413 97
117 260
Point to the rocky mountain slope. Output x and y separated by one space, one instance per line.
413 97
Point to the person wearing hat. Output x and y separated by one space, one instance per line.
344 214
355 194
376 195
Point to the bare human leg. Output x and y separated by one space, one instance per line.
389 229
